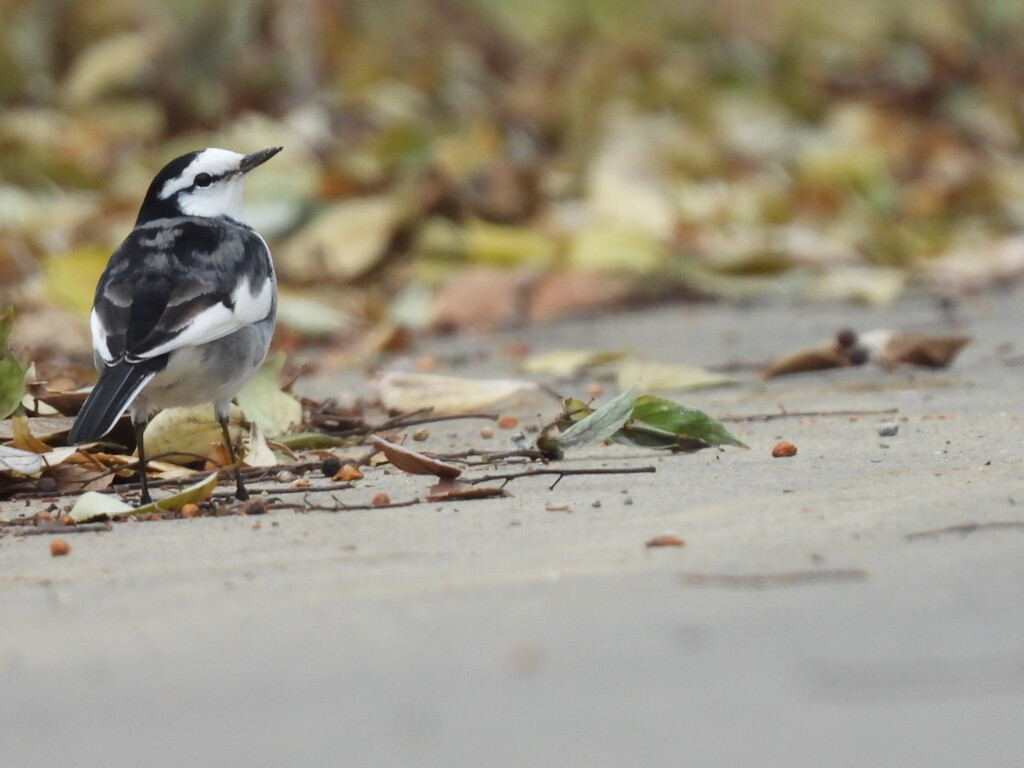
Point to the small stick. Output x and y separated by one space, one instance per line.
760 580
46 529
965 529
784 414
559 472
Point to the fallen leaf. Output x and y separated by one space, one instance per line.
414 462
566 363
445 395
22 462
557 294
67 403
615 249
805 361
306 314
479 297
256 452
114 63
91 505
188 431
453 490
12 372
891 347
78 477
66 273
660 376
263 402
652 415
600 425
23 437
345 241
508 245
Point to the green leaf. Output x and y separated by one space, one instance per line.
681 421
12 372
601 424
640 435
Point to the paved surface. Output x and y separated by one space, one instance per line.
499 633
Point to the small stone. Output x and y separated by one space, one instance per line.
783 450
330 466
421 434
486 433
508 422
59 547
189 510
379 499
888 429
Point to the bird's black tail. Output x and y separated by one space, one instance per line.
113 393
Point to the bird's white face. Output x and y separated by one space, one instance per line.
211 185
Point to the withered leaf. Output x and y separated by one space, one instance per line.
805 361
414 462
890 347
452 490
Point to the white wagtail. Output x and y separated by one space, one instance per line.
185 309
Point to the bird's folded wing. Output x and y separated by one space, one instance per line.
156 300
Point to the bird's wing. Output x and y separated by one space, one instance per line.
178 283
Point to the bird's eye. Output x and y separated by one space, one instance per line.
204 180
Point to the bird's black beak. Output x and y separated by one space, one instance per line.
253 159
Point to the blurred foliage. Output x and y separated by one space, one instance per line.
723 147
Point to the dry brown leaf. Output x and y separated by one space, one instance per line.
23 438
414 462
483 297
806 360
558 294
77 477
891 348
453 490
68 403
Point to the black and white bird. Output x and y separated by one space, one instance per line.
185 309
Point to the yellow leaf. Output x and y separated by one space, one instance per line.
71 277
263 402
189 430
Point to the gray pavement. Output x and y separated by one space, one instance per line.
499 633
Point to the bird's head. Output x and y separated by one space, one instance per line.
205 183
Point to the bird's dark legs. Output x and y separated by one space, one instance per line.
140 428
240 493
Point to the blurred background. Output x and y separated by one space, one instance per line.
455 164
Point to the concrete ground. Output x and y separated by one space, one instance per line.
538 630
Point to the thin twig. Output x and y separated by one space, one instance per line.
761 580
507 477
289 489
339 506
965 529
45 529
784 414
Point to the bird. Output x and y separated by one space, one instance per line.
184 311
